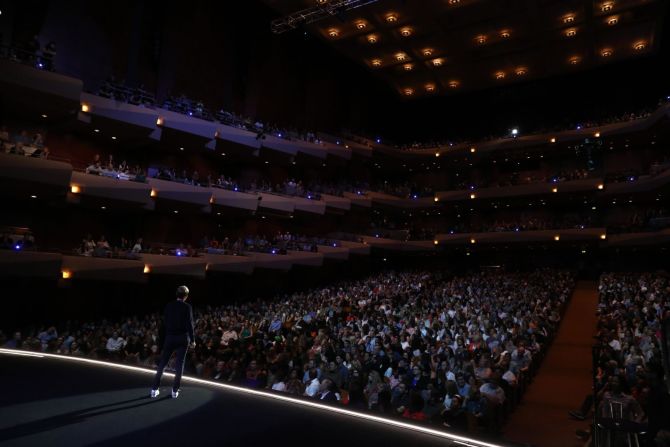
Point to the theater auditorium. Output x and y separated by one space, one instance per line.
335 223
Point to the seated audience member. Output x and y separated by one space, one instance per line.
415 409
313 384
137 248
115 343
327 391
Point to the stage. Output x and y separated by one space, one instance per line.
53 400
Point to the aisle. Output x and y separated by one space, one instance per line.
563 379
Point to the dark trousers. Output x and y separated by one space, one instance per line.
179 345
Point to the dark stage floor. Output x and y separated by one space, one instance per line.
47 401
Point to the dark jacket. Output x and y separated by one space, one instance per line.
179 319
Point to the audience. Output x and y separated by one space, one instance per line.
416 345
629 383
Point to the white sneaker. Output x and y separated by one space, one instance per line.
175 394
155 393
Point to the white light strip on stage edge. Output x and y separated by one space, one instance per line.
464 440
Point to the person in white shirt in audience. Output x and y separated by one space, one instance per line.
314 384
137 248
115 343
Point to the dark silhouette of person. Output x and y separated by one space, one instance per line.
178 325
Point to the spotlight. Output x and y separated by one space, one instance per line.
515 132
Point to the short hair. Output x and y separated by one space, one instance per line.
182 292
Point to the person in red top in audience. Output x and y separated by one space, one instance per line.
415 409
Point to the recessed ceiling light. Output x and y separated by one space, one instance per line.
572 32
44 115
176 212
569 18
406 32
438 62
639 46
521 71
333 32
430 88
408 91
408 67
103 207
372 38
427 52
181 148
607 6
481 39
505 34
96 130
33 196
575 60
607 52
612 20
361 24
113 138
391 18
400 57
376 62
453 84
500 75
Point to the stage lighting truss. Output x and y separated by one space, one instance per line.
316 13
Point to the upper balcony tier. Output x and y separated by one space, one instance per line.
44 91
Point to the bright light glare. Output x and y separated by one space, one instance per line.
429 431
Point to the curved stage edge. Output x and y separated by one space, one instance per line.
60 400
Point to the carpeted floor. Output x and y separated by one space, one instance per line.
563 379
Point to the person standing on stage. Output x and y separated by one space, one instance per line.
178 336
